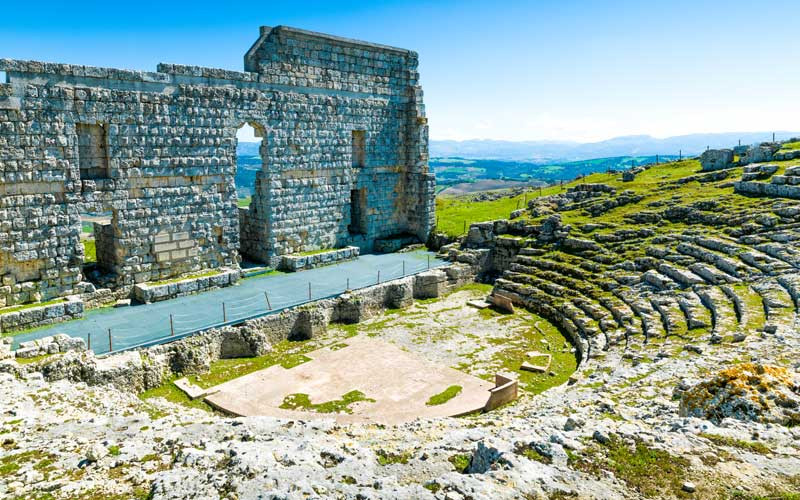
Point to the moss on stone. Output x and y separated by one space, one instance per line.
444 396
389 458
300 401
460 461
751 446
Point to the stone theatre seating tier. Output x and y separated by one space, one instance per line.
342 121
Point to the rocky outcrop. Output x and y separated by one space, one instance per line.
716 159
748 391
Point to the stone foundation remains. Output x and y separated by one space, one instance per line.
144 368
147 293
344 150
71 308
300 262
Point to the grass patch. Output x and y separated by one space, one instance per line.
389 458
287 353
751 446
313 252
23 307
300 401
444 396
35 359
432 486
475 287
172 394
460 461
11 464
114 450
536 334
455 214
206 274
648 471
532 454
244 202
790 146
89 251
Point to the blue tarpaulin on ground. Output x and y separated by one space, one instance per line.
149 324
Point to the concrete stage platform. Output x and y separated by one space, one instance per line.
400 383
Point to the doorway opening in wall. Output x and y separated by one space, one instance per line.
94 226
358 211
248 162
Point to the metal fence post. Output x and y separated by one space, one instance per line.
404 268
171 326
224 313
89 341
348 284
429 262
110 345
269 306
309 290
379 276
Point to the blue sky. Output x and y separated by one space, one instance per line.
566 70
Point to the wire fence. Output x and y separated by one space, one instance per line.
168 324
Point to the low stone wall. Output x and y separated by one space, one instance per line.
299 262
71 308
768 189
505 391
146 293
141 369
59 343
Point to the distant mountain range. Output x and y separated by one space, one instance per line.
634 145
546 151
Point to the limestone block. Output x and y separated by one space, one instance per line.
716 159
430 284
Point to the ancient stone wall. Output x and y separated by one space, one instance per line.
158 150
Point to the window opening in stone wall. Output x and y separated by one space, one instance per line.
3 77
249 161
359 148
92 151
358 211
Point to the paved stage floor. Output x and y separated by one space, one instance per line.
400 383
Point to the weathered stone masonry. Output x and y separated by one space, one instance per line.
344 136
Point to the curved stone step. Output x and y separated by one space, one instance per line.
697 315
764 262
681 276
652 327
711 274
750 305
659 281
784 253
671 314
778 305
723 312
584 288
791 283
725 264
587 324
